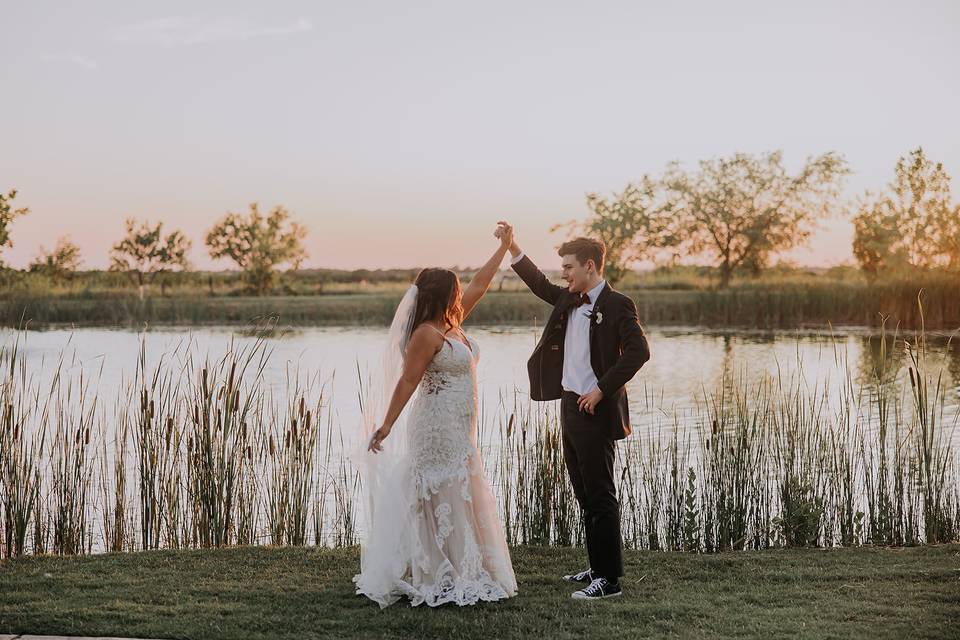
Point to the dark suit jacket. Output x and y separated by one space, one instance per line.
618 347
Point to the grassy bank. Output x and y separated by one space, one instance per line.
762 304
267 592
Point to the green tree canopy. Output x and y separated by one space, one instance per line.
743 209
913 224
144 253
60 263
7 215
258 243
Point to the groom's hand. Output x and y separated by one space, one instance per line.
505 233
588 402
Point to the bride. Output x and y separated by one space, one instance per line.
432 531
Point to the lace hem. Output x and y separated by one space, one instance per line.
449 590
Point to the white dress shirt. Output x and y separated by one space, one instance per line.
578 375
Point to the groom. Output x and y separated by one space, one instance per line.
591 347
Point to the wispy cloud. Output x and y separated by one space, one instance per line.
72 58
183 31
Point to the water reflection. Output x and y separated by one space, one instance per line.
687 364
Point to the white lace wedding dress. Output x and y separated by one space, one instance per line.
443 541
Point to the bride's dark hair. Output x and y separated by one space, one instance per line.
438 294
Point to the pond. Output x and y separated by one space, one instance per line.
687 364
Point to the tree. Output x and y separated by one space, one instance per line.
947 224
744 209
912 224
258 244
633 224
875 238
7 215
144 254
60 263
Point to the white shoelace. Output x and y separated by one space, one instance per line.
595 585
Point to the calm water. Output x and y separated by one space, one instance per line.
686 363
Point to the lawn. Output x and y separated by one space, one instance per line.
291 592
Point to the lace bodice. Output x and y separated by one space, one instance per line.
454 365
442 426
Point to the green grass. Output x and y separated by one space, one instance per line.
271 592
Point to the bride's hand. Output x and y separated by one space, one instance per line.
376 441
504 233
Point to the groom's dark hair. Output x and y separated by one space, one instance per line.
585 249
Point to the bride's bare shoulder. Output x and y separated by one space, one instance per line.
426 335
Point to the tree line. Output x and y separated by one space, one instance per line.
257 243
737 213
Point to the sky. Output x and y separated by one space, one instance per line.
398 133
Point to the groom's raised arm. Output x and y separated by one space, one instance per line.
534 278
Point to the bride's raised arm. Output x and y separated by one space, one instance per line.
481 281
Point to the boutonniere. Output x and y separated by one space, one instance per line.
596 317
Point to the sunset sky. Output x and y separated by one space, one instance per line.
400 132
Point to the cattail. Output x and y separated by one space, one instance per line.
271 445
86 436
301 405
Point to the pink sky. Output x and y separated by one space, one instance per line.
400 133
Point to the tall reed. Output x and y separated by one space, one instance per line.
195 452
22 450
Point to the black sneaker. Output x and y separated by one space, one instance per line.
584 577
599 588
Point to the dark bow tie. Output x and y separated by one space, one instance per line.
582 299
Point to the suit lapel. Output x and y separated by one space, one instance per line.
563 310
597 308
558 319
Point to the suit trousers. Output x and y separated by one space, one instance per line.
589 452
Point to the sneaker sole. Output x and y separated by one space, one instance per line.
612 595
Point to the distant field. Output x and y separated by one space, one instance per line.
681 297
